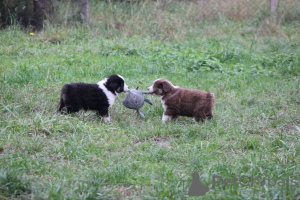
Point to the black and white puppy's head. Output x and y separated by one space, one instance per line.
115 84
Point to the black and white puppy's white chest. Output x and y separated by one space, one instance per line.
110 96
99 97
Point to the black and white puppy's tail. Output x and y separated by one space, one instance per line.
60 106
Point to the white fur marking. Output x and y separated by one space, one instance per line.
163 104
126 89
110 96
106 119
121 77
166 118
150 89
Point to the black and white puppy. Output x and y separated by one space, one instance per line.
99 97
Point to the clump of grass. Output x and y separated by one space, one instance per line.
12 185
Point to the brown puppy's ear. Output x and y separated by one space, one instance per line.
166 87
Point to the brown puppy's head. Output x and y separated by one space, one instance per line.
161 87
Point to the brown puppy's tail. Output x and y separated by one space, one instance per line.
211 98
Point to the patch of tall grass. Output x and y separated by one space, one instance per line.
174 20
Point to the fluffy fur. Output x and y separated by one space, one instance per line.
99 97
178 101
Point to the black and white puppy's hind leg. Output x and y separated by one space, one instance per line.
104 113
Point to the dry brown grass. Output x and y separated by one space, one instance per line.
174 19
211 10
268 28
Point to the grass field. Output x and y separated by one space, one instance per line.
253 70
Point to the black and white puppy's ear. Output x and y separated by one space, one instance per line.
118 87
113 85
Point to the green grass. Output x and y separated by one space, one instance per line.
255 131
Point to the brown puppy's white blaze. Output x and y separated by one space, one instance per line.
183 102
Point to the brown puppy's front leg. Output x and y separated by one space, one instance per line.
174 118
169 115
166 118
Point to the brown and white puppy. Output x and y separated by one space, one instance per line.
178 101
